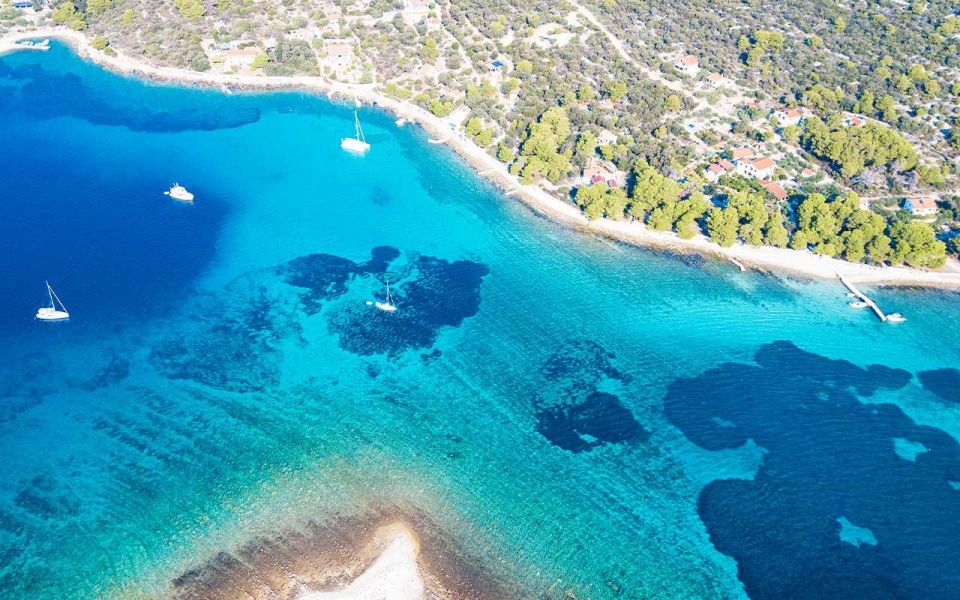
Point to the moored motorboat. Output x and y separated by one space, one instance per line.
858 304
178 192
896 318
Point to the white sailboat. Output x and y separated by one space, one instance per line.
52 313
356 144
387 306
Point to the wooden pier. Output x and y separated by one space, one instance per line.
863 297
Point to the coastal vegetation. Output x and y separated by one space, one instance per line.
853 149
544 151
834 226
840 100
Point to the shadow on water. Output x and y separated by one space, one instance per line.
830 458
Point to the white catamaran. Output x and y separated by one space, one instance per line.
387 306
52 313
356 144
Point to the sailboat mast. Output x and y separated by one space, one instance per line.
389 300
53 295
356 122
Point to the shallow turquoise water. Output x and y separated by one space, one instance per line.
537 394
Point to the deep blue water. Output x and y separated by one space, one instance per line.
577 414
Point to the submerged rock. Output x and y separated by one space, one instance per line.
828 455
572 412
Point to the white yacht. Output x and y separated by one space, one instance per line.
387 306
896 318
356 144
178 192
52 313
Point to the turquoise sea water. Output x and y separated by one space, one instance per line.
578 414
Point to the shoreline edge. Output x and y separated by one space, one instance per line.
786 261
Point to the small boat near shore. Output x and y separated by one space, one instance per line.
896 318
52 312
178 192
356 144
858 304
400 122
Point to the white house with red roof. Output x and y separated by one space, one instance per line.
787 116
716 80
757 168
239 58
854 121
714 172
599 174
774 189
688 64
921 206
339 56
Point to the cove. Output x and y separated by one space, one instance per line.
550 403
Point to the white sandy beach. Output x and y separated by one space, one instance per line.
392 576
770 258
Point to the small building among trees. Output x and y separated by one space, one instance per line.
774 189
239 58
787 116
921 206
759 168
688 64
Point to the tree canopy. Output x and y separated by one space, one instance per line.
541 151
852 149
